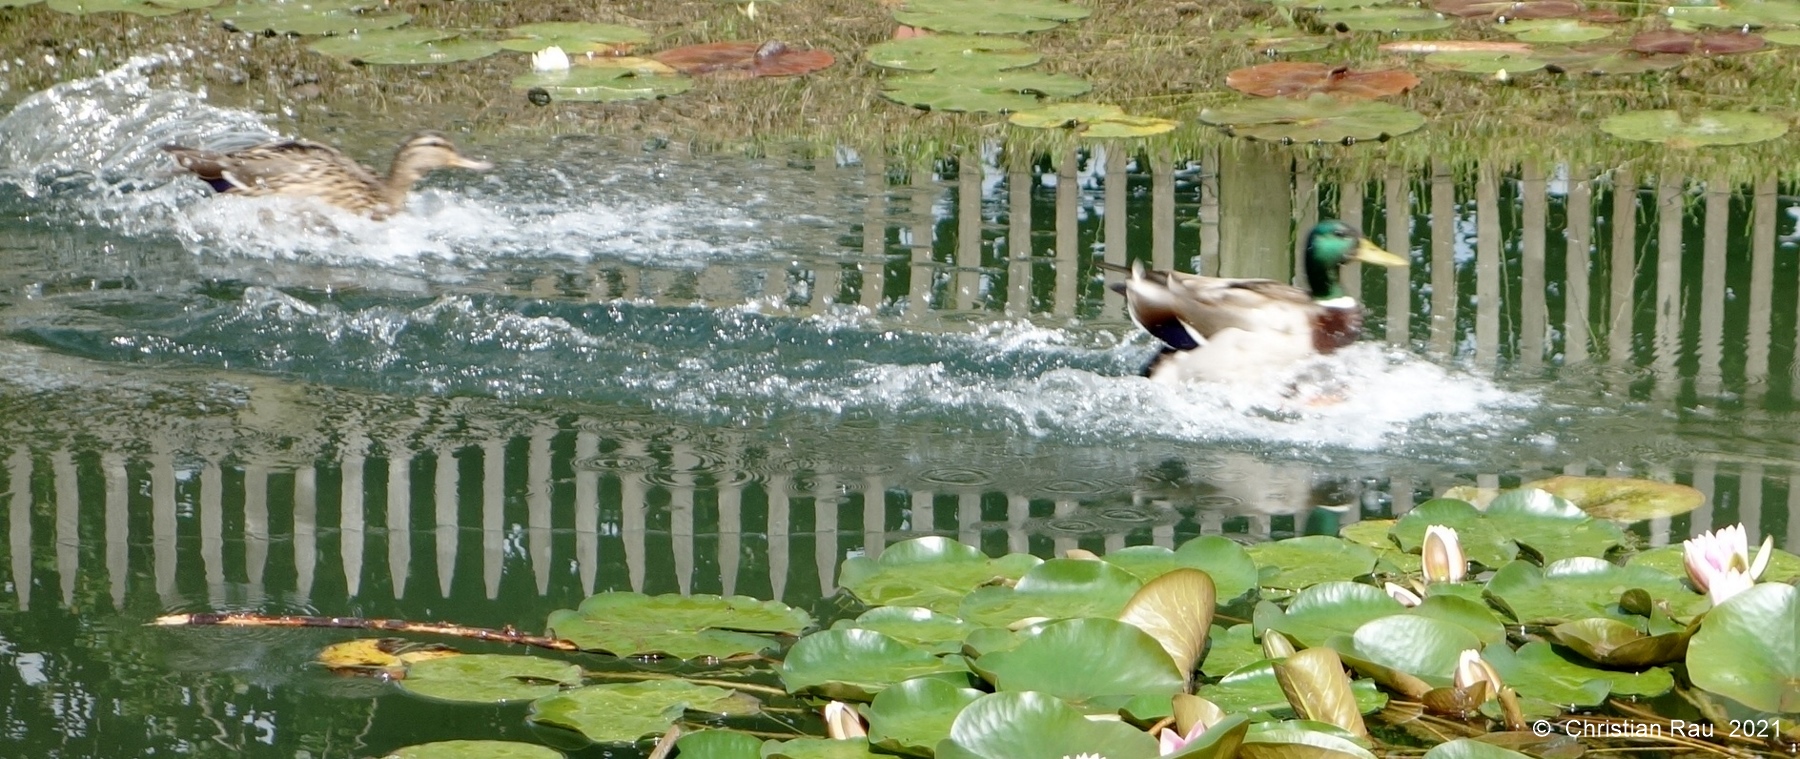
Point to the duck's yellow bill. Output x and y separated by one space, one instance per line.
1368 252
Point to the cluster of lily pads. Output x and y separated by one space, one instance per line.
1453 620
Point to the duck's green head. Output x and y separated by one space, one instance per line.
1333 243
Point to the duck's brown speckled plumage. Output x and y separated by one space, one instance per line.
297 168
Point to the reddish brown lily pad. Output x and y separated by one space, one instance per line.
745 58
1711 43
1296 79
1508 9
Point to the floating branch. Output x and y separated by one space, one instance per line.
503 635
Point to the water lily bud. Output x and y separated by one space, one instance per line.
1443 555
842 721
1472 669
1170 742
551 58
1406 597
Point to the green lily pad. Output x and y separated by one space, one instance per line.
1273 41
18 3
1255 691
1084 659
933 572
957 51
1606 60
1386 20
475 750
404 47
1555 30
1467 748
1537 671
1616 644
1748 649
1231 649
818 748
1330 609
911 717
1092 120
1056 588
1232 570
1028 725
1552 526
624 623
1285 741
602 84
719 744
988 16
1296 562
1735 15
1423 647
1623 498
572 36
1580 588
1783 37
625 712
134 7
1468 614
319 17
981 92
1329 5
1482 541
1697 129
1485 63
1320 118
854 665
489 678
1782 567
914 625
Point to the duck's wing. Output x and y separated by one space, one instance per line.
284 167
1184 310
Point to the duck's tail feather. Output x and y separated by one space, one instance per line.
204 164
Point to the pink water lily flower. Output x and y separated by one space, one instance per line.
1719 563
1443 555
1172 742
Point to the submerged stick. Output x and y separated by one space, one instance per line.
503 635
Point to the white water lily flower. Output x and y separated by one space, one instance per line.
1406 597
1443 555
551 58
842 722
1472 669
1719 564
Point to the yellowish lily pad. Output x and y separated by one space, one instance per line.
1092 120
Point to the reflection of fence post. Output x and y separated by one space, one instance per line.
445 505
968 517
212 535
1671 205
731 530
1019 185
66 535
1306 213
874 503
826 500
1750 497
537 505
118 530
968 230
780 490
1068 233
874 238
1018 512
1487 266
306 531
1623 259
163 522
1443 257
352 530
493 515
632 508
1350 209
587 510
256 529
1712 288
1118 227
1209 213
1162 208
1397 201
1534 319
1762 276
399 516
18 477
682 463
1578 255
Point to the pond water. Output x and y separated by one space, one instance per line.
626 365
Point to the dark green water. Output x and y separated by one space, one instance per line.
610 366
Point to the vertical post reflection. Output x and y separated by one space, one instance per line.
1762 276
1487 267
306 532
1671 204
1117 203
1306 213
399 516
537 506
968 230
352 531
212 534
1712 288
1623 257
118 533
1350 209
493 515
1209 212
874 516
256 529
1577 257
1162 209
924 230
162 522
445 504
1443 258
587 510
67 530
780 488
18 476
1534 319
826 500
1019 184
1397 199
874 242
1068 233
682 463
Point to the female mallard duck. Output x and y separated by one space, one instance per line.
297 168
1214 328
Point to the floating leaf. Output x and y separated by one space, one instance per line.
601 84
475 750
1314 119
1037 725
1294 740
915 625
1420 646
1482 541
1537 671
933 572
1783 566
489 678
404 47
1232 570
912 716
625 712
1301 562
856 664
1318 689
988 16
1295 79
1485 63
960 51
1092 120
719 744
386 654
1623 498
1606 59
1177 610
1716 43
1676 129
1555 31
1084 659
1735 15
1466 748
981 91
1783 37
1748 649
1271 41
1508 9
1580 588
1330 609
1256 691
573 37
1387 20
1612 643
624 623
320 17
818 748
746 58
1427 47
134 7
1056 588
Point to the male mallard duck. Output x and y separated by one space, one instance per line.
1214 328
298 168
